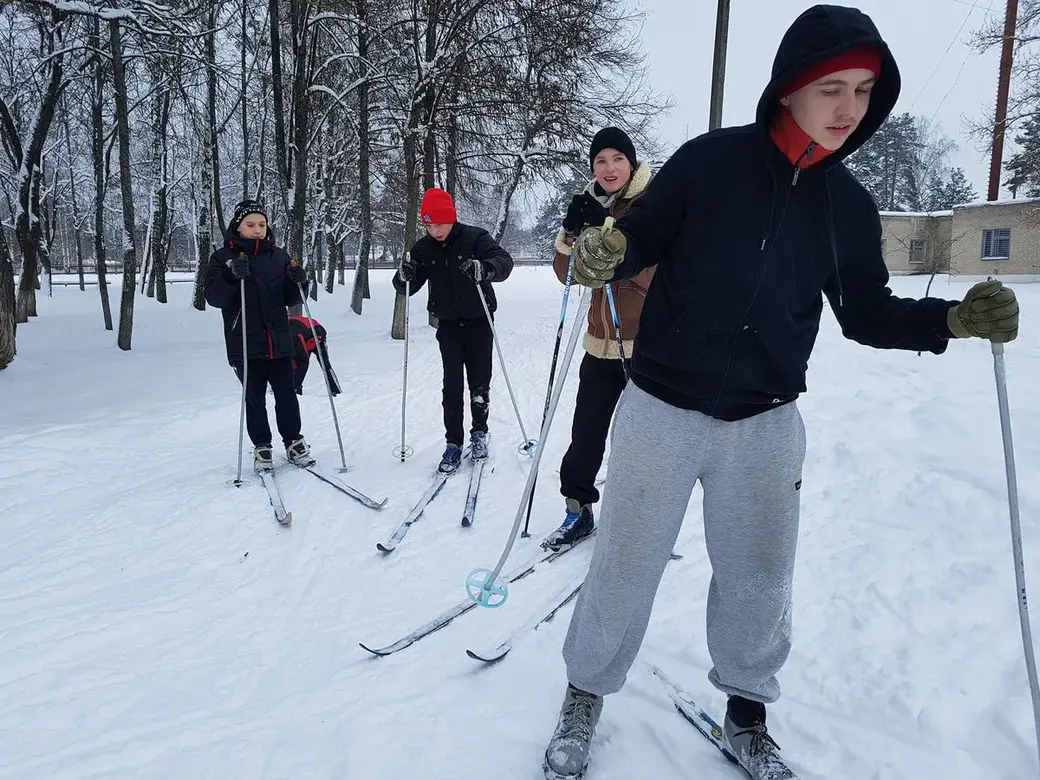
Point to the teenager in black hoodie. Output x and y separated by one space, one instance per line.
750 227
249 253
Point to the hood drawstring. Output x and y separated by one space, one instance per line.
829 217
768 226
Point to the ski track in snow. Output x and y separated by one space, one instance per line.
156 623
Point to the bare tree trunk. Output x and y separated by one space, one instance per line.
204 239
245 104
28 227
49 225
211 110
361 290
8 326
301 129
97 137
411 221
508 190
126 307
76 217
337 257
451 163
159 245
281 151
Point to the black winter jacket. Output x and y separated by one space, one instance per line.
453 296
268 293
745 250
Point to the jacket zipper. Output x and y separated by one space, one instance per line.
758 288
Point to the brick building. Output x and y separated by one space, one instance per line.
999 238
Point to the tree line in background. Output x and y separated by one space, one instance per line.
905 166
129 129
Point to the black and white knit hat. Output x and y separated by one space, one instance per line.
243 210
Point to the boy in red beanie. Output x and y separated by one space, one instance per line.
749 227
460 262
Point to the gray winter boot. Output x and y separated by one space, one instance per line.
751 745
568 753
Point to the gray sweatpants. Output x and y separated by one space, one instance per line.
750 471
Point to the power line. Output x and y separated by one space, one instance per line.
959 71
956 37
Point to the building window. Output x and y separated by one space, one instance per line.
996 244
918 250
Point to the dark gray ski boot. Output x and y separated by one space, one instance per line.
478 445
750 742
263 458
567 756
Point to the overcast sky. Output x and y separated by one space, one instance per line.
678 37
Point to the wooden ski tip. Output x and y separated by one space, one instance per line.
376 653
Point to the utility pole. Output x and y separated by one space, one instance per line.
1003 89
718 69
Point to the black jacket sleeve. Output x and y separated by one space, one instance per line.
866 308
422 273
653 221
221 287
494 256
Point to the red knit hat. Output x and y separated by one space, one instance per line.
866 57
437 208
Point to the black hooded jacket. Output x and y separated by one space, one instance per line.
746 247
453 296
268 294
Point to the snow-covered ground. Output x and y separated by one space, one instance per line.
157 624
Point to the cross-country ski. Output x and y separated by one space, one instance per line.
469 512
270 484
533 314
548 610
713 732
464 605
343 487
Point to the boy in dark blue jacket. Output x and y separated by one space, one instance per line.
750 228
271 283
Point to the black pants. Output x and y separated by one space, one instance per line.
278 374
465 344
600 382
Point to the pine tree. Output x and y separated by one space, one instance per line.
886 164
957 190
1024 165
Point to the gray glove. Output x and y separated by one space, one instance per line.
598 251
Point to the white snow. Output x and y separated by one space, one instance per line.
916 214
156 624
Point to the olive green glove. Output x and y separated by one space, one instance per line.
598 251
988 311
